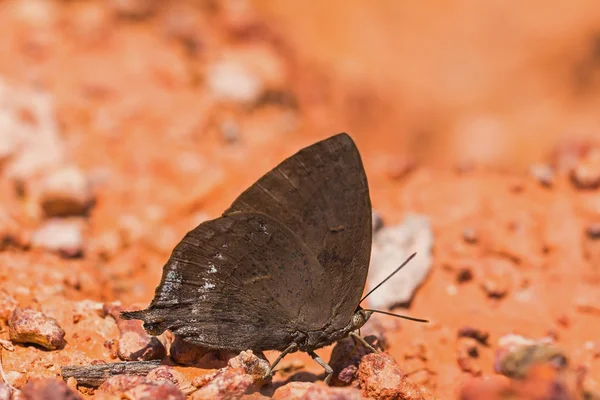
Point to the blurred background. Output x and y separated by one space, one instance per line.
125 123
467 80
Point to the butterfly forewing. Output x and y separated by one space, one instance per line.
321 194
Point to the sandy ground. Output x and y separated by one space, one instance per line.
449 106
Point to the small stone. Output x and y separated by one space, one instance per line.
65 192
586 173
516 355
150 390
186 353
7 345
48 389
391 246
62 236
230 130
346 357
120 383
593 231
30 326
252 365
475 333
315 391
139 388
7 305
381 378
135 344
135 8
564 321
171 375
466 353
469 235
241 373
464 274
543 173
496 281
230 80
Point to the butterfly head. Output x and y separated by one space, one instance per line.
360 317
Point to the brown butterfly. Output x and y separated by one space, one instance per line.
283 268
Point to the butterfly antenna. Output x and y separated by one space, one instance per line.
389 276
398 315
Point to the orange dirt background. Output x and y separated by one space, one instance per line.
487 85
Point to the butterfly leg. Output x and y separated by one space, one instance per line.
363 341
291 348
323 364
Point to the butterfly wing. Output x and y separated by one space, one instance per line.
237 282
322 195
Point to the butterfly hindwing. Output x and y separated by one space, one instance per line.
238 282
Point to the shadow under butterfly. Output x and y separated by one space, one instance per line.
283 268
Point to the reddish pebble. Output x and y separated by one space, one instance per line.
346 357
136 346
134 342
469 235
30 326
496 280
65 192
150 390
593 231
120 383
64 237
543 173
586 173
466 355
381 378
171 375
48 389
315 391
186 353
241 373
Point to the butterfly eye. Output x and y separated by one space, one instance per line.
358 319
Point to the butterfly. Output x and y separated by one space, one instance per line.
283 268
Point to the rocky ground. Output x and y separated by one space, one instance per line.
123 124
